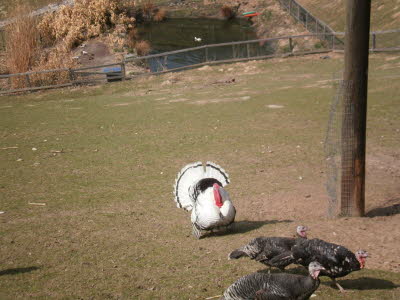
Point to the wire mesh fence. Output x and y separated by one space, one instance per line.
332 146
310 22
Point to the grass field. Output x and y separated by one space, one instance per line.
384 14
105 162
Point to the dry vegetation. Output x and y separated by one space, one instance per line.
227 12
22 40
40 44
84 20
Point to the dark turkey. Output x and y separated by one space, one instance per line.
337 260
263 249
276 286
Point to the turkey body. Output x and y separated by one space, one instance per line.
205 214
337 260
201 190
276 286
263 249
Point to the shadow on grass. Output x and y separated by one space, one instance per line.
15 271
385 211
244 226
362 283
365 283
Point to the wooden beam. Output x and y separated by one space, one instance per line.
355 85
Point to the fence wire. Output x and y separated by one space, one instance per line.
339 148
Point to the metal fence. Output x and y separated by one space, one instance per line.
310 22
57 78
190 58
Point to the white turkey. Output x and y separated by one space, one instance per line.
201 191
337 260
263 249
277 286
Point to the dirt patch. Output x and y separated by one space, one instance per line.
94 52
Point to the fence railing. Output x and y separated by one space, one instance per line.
190 58
310 22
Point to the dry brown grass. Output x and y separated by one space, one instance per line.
55 58
25 52
22 41
142 48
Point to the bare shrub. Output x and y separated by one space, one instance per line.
159 15
142 48
132 38
227 12
148 8
84 20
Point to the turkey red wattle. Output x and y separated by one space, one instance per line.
217 195
315 274
361 260
361 256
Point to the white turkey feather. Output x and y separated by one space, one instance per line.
186 179
215 171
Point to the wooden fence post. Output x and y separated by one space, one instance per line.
291 45
71 75
206 50
298 12
373 42
166 62
27 80
248 50
123 70
306 20
354 120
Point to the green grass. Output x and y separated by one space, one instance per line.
6 6
110 229
384 13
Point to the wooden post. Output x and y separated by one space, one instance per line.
123 71
355 108
165 62
206 54
291 45
248 50
27 80
373 42
71 75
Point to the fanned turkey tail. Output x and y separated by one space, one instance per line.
189 177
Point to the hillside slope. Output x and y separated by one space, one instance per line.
385 14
